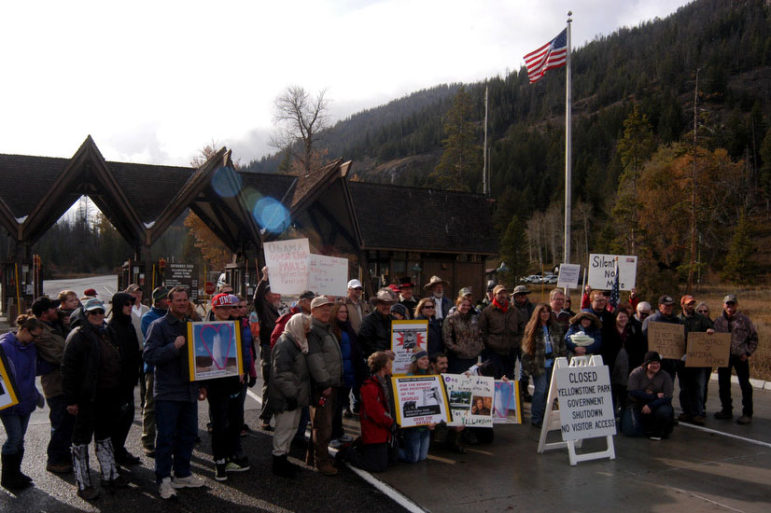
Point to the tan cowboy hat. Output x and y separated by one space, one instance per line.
435 280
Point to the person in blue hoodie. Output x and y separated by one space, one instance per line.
21 359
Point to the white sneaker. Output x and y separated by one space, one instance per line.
166 489
187 482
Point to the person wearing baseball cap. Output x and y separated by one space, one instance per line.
224 401
325 365
358 309
499 325
693 379
650 393
744 342
666 314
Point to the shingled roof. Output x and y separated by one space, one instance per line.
394 217
37 174
149 188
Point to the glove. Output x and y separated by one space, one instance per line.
291 403
252 381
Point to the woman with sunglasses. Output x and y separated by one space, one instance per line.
91 371
425 311
20 357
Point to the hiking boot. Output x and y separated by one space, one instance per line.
698 420
220 474
59 468
724 415
89 493
327 469
166 490
744 420
187 482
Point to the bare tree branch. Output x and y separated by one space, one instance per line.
299 118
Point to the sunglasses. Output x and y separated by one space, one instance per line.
428 306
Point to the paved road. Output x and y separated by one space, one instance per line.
105 286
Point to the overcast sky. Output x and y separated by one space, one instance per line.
155 81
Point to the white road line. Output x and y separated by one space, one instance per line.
391 493
729 435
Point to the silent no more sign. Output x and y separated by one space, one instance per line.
585 402
602 271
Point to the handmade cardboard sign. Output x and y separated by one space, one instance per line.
506 408
667 339
705 350
214 350
420 400
471 399
585 402
407 338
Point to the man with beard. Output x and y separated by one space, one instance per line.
435 288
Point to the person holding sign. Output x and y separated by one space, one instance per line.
541 344
650 411
21 355
744 341
417 439
664 314
693 379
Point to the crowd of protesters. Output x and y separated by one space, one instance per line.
325 359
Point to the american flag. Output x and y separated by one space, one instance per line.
552 55
614 294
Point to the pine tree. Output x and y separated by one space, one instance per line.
514 250
738 266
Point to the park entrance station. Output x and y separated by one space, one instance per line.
384 231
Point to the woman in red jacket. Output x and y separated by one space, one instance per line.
377 423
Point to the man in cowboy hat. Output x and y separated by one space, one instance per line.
435 286
375 333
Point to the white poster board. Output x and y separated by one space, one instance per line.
328 275
471 399
602 271
568 276
407 338
288 265
586 404
420 400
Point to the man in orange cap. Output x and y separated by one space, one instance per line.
692 379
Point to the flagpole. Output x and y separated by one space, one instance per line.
568 146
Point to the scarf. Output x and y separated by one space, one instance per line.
504 308
296 327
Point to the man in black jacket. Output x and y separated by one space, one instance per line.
375 333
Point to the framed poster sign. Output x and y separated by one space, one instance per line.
214 350
420 400
506 408
8 395
407 338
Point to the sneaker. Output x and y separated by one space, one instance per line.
724 415
655 438
220 474
59 468
238 465
744 420
166 489
187 482
88 493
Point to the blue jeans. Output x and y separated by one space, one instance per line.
541 390
415 445
177 426
15 427
62 424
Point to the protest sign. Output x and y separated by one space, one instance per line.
420 400
602 271
288 265
328 275
506 403
8 395
407 338
585 402
667 339
568 276
705 350
214 350
471 399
